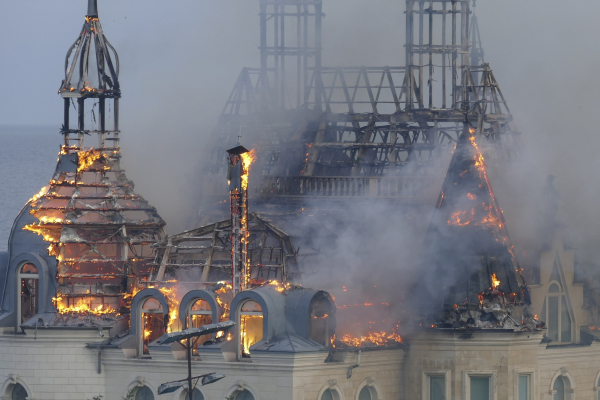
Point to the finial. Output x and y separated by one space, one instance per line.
92 8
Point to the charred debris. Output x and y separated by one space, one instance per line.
472 278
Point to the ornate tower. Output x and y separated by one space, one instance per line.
97 232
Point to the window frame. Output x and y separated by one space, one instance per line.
532 387
426 383
373 387
21 276
338 393
562 294
141 324
570 384
190 313
239 314
466 382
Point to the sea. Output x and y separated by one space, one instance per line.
28 156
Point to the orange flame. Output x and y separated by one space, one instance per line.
495 281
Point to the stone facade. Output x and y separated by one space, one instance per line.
56 365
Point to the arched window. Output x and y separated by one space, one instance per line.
152 322
320 312
367 393
196 395
144 393
251 326
200 314
29 282
244 395
559 388
330 394
557 314
19 392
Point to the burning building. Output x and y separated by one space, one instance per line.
91 285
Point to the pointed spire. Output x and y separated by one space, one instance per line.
467 247
92 8
92 63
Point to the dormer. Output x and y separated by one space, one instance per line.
559 299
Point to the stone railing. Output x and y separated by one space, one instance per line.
400 187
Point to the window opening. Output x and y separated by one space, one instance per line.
329 394
557 315
598 385
437 388
200 314
366 393
152 322
196 395
19 392
29 280
559 388
524 387
480 388
251 326
319 322
144 393
244 395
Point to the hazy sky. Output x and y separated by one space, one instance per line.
180 58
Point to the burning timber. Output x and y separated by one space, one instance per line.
473 271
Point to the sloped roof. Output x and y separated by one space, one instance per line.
467 241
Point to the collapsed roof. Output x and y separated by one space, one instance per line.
468 253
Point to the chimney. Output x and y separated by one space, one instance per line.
238 185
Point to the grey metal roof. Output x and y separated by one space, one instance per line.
289 343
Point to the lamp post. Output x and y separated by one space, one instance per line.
191 336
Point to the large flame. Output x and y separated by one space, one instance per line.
83 305
495 282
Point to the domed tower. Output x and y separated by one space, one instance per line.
85 241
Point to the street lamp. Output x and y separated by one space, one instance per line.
191 336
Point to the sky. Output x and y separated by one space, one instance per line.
180 58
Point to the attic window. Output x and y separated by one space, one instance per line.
556 312
319 322
251 326
200 314
29 282
152 321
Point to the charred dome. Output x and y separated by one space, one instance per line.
87 234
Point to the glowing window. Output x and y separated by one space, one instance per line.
251 326
152 322
19 392
29 282
29 269
559 389
144 393
200 314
